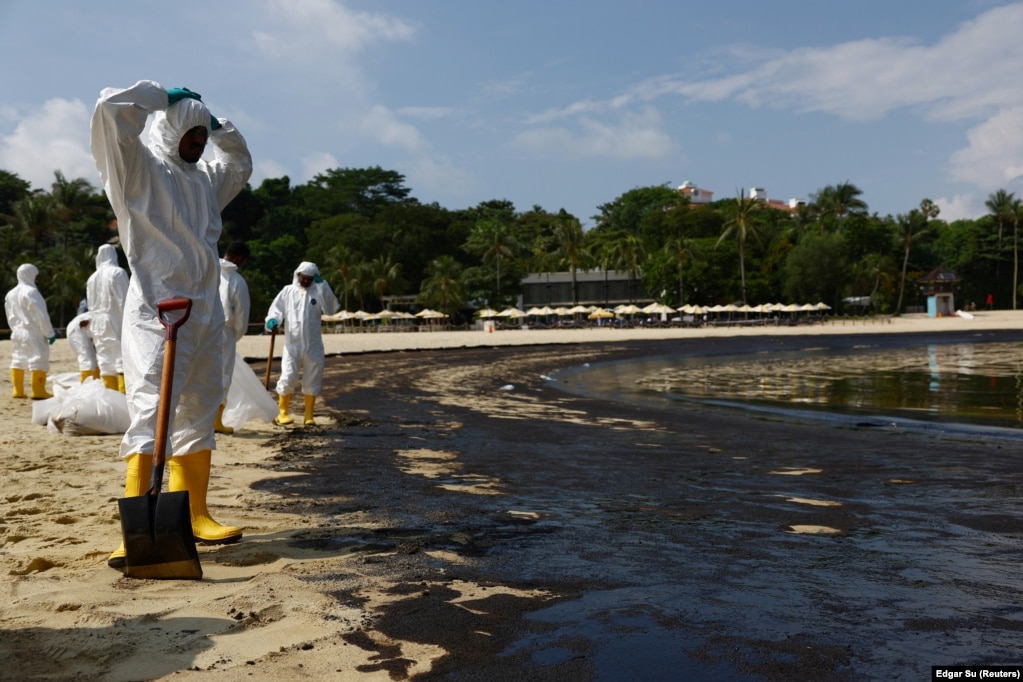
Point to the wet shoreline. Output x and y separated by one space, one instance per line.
721 544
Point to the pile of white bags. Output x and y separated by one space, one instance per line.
82 409
89 408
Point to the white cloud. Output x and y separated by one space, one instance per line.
968 73
383 126
439 176
305 30
993 155
961 207
315 164
267 168
632 136
55 137
425 113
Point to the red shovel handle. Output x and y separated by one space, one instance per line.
170 305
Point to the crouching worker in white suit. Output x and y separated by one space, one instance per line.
168 200
298 307
79 336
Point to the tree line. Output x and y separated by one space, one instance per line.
372 239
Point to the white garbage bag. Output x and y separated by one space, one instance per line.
85 409
247 398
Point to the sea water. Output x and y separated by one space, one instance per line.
957 386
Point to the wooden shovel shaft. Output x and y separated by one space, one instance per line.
166 383
270 359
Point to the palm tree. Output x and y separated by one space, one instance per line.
680 247
543 260
442 288
1000 205
35 215
839 201
568 232
493 240
340 263
741 225
625 252
911 227
383 273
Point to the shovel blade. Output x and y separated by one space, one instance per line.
158 537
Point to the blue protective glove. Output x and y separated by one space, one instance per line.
175 95
271 324
317 278
214 123
52 339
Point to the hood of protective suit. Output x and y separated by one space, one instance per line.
106 256
27 274
306 268
170 125
227 267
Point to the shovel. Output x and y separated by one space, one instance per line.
157 526
270 359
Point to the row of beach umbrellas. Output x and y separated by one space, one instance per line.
363 316
594 312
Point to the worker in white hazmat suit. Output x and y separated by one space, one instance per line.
298 307
105 293
79 336
31 334
168 201
234 297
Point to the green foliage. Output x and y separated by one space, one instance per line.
372 238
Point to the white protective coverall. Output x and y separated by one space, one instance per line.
105 291
299 310
168 217
234 297
81 340
29 321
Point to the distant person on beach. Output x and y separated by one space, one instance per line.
990 301
105 291
234 297
168 202
298 308
79 337
31 334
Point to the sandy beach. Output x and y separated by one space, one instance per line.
437 525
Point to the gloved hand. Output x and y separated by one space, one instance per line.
175 95
214 123
317 278
271 324
52 339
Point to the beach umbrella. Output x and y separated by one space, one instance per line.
578 310
822 306
534 311
513 313
486 312
427 314
561 311
600 314
656 308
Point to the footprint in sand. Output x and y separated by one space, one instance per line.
37 565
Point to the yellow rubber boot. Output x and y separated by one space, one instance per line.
283 404
192 473
95 374
120 383
110 381
84 374
18 379
136 482
218 425
310 400
39 385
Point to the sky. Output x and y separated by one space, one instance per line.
551 103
